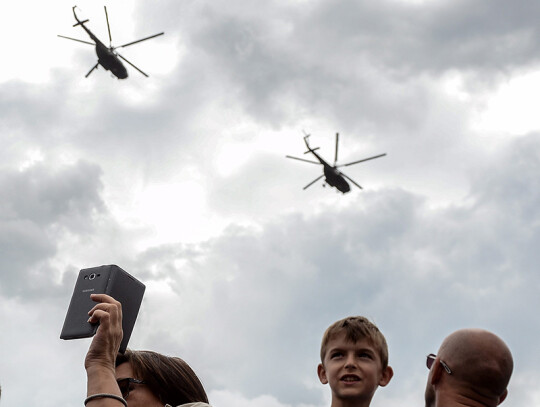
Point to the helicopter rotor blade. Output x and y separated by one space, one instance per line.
108 26
143 39
350 179
75 39
360 161
314 181
301 159
91 70
337 141
132 65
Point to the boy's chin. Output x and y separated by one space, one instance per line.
355 394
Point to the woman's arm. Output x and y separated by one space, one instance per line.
101 356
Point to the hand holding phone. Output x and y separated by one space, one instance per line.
114 282
107 314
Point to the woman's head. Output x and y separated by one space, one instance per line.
170 379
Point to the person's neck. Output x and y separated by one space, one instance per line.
457 400
350 403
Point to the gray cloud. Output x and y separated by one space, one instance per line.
356 61
40 205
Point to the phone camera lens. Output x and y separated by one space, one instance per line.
92 276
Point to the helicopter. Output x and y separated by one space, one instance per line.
333 176
108 58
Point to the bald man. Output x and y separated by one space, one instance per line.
472 368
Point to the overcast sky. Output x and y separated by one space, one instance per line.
181 179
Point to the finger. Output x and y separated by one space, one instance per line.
110 308
106 300
105 305
100 316
103 298
105 318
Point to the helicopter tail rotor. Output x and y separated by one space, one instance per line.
76 18
309 149
81 23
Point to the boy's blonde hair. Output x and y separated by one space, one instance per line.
356 329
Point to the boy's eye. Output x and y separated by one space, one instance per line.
365 355
335 355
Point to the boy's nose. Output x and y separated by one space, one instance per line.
350 362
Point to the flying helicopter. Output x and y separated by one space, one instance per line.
108 58
333 176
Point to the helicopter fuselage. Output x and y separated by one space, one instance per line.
334 178
108 60
332 175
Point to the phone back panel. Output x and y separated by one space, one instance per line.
110 280
129 291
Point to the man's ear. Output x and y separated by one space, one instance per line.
321 372
503 396
436 372
387 374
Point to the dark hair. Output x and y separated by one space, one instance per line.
169 378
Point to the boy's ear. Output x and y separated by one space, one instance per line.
321 372
387 374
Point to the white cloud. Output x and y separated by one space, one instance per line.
511 109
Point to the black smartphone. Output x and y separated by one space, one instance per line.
110 280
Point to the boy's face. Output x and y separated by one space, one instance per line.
353 369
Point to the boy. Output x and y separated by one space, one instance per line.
354 361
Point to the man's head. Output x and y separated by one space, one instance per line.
354 361
480 364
